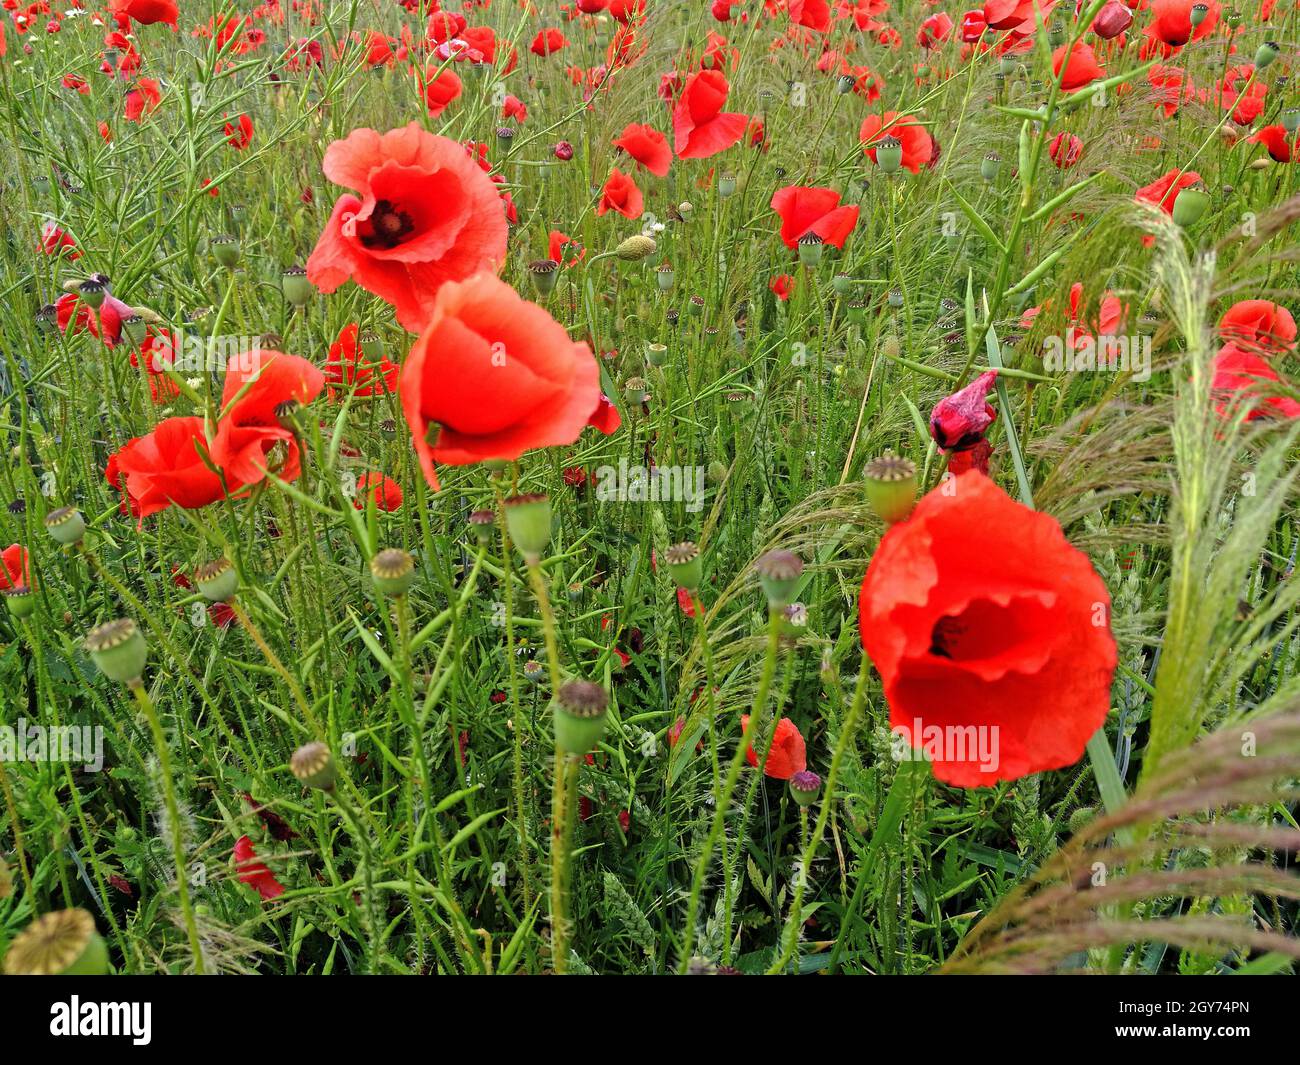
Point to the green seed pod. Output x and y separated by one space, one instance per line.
65 525
580 715
217 580
890 483
528 520
544 274
118 650
135 328
313 765
1190 205
778 573
392 571
685 565
92 293
990 165
889 154
226 251
810 248
1265 54
60 943
1198 14
664 277
842 284
1291 119
482 523
656 354
19 600
295 286
727 185
805 786
372 344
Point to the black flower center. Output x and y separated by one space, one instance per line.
389 226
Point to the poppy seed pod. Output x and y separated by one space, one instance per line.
135 328
890 483
990 165
295 286
656 354
1265 54
217 580
727 185
1190 205
481 524
505 137
635 248
664 277
225 250
19 600
580 716
372 344
810 249
685 565
61 943
118 650
528 520
889 154
805 787
842 284
392 571
1291 119
857 311
778 574
92 292
844 84
636 389
544 273
533 672
313 765
65 525
695 305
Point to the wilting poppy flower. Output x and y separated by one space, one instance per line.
557 242
254 873
647 146
347 365
787 755
1065 150
620 194
167 466
239 134
252 424
967 634
805 209
918 147
700 127
425 214
1171 21
492 376
1280 143
147 12
386 492
547 42
1242 377
1259 325
15 567
1080 68
959 421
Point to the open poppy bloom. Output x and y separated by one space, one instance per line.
787 755
805 209
620 194
700 127
15 567
1244 377
1171 22
254 873
167 466
266 383
647 146
1017 15
917 145
386 492
425 214
1259 325
989 627
349 368
547 42
1080 66
146 12
492 376
1279 143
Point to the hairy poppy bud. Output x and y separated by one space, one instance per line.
805 787
216 580
61 943
392 571
891 487
580 716
636 248
528 520
65 525
563 151
778 573
685 565
118 650
313 765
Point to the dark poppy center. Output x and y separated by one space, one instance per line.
389 226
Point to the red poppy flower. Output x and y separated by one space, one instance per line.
1165 189
557 242
973 26
812 14
253 873
1170 86
1017 15
386 492
917 145
1171 21
1112 20
805 209
934 30
787 755
349 367
1280 143
146 12
55 239
239 134
969 635
168 466
513 107
142 100
605 418
1065 150
250 426
959 421
1242 377
1081 67
547 42
440 88
647 146
1243 104
700 127
620 194
782 285
425 214
15 572
1260 326
492 376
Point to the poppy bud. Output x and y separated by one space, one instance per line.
19 600
1112 20
778 574
1265 54
295 286
60 943
716 472
481 524
1190 205
685 565
890 483
564 151
664 277
92 292
544 274
226 251
635 248
805 787
65 525
990 165
810 249
217 580
656 354
580 715
392 571
528 520
313 765
135 328
1080 817
727 185
118 650
889 155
